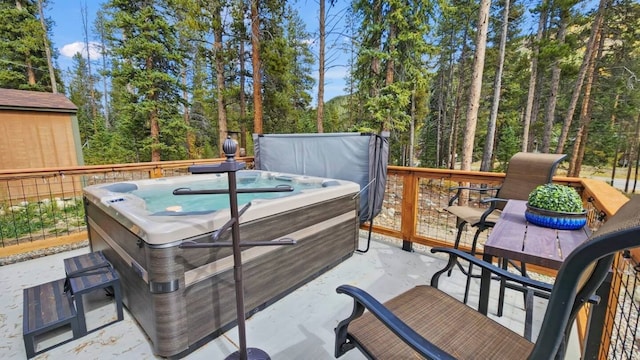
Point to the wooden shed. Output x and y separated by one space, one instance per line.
39 130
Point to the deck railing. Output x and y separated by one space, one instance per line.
41 208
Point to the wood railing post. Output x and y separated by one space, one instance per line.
409 209
155 173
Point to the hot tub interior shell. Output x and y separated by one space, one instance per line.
183 298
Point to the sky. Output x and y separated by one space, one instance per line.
68 38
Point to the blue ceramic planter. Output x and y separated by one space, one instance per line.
555 219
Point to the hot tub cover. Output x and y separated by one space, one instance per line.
358 157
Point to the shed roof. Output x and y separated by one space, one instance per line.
35 100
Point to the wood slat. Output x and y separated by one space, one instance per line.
514 238
45 306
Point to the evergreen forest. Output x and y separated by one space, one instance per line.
453 82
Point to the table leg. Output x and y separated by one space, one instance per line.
485 283
528 314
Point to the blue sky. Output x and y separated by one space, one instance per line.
68 38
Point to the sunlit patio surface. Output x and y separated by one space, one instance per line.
299 326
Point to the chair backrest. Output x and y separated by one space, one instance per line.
525 171
583 271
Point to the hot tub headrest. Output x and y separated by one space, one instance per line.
121 187
330 183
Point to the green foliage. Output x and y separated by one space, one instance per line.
106 147
23 63
286 81
556 197
509 142
84 97
409 61
143 43
38 218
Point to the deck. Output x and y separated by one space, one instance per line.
299 326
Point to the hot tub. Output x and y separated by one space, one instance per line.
183 298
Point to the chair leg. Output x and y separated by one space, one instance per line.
470 269
528 296
456 244
523 270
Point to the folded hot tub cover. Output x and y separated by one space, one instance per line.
358 157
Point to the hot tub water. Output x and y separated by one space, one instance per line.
160 200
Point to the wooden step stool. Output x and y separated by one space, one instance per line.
87 273
47 307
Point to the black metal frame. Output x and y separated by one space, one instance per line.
566 298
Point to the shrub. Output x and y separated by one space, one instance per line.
556 197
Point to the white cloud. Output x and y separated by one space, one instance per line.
70 50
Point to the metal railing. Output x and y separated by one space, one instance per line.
40 204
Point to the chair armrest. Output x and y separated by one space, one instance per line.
472 188
460 188
509 276
362 300
493 200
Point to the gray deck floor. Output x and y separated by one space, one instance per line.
299 326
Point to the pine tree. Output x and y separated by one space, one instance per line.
81 94
23 47
146 76
286 80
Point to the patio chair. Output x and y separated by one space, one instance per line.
424 321
524 173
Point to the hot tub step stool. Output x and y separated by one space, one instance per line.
87 273
47 307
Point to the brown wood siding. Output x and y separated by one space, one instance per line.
36 139
33 139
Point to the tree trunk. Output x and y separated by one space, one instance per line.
220 86
453 137
320 114
555 84
255 62
412 127
487 164
533 77
633 156
585 113
376 44
191 137
153 119
591 45
388 79
476 84
100 27
31 75
241 59
47 50
92 91
439 117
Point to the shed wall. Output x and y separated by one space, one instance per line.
39 139
36 139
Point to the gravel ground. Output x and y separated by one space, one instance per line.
6 260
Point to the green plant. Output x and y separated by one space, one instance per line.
556 197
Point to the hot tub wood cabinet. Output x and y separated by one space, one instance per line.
183 298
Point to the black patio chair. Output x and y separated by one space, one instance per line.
525 171
426 322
